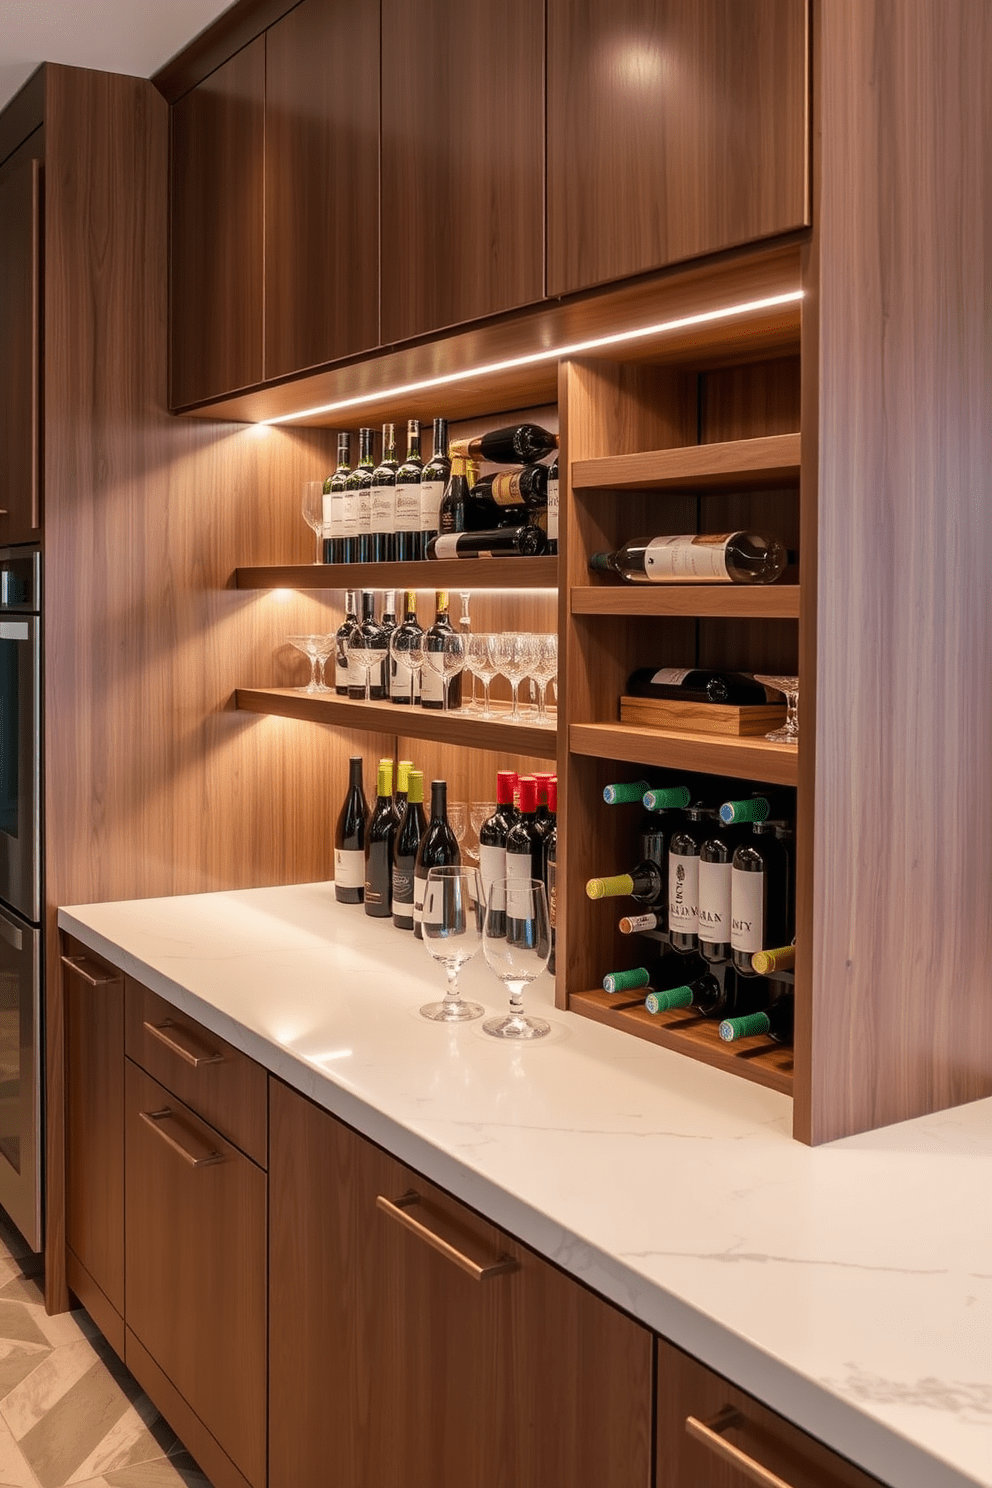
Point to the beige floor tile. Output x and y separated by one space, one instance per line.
138 1437
68 1433
16 1321
28 1404
14 1470
171 1472
17 1361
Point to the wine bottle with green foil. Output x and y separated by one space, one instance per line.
756 808
411 829
408 497
335 488
775 1022
382 495
706 994
349 839
760 908
433 484
438 847
379 847
696 558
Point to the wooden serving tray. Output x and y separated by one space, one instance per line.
702 718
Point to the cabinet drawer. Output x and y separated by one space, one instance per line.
214 1079
712 1435
195 1275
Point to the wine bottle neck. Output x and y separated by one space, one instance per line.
439 800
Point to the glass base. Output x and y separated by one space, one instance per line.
783 736
516 1026
452 1010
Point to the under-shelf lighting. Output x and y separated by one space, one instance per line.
549 354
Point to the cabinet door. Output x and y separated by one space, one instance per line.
20 338
462 230
321 184
392 1365
218 132
675 128
711 1435
196 1266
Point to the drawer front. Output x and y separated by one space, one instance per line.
712 1435
195 1278
217 1081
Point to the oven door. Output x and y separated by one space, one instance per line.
20 1075
20 763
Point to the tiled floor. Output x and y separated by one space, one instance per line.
69 1410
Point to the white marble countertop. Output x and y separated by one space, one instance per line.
849 1287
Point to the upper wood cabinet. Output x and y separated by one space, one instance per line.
321 184
20 340
462 229
218 131
675 128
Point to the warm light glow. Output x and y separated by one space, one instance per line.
555 353
281 594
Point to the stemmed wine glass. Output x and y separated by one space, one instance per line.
789 732
452 929
310 646
446 656
362 656
406 651
325 650
479 814
543 668
458 820
482 659
514 653
516 942
313 512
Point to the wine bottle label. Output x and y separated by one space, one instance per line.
673 676
431 686
518 876
552 893
349 868
400 681
446 546
419 895
341 674
714 902
327 513
433 902
349 514
552 511
492 866
680 560
506 489
383 508
337 513
363 510
430 504
402 886
747 924
683 894
407 507
634 924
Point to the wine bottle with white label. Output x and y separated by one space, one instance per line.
702 558
358 503
438 846
493 834
553 506
433 484
342 643
499 542
382 495
407 488
432 684
716 854
349 839
551 865
759 896
775 1022
683 880
412 827
404 681
694 685
379 847
334 510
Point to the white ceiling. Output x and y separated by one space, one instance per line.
129 36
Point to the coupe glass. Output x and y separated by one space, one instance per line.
479 814
543 668
514 654
452 927
446 657
310 646
517 942
482 659
789 732
313 512
407 651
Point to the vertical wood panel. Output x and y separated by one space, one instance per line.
321 184
675 127
20 332
462 162
217 238
902 1021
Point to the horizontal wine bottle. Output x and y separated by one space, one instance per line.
519 444
703 558
782 959
497 542
694 685
776 1022
509 492
667 798
625 792
707 995
627 981
641 924
755 809
646 884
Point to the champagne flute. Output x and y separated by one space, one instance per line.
517 943
789 732
310 646
452 930
313 512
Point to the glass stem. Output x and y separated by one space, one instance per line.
515 712
542 704
452 994
313 674
320 544
792 715
445 688
487 709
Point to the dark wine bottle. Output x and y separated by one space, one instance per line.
759 896
783 958
404 682
411 829
776 1022
551 865
432 684
379 842
716 854
383 499
509 494
625 792
342 675
755 809
516 445
667 798
403 769
368 640
544 818
639 924
663 816
667 968
524 862
387 620
500 542
706 994
493 834
552 532
707 558
438 847
683 880
646 884
349 839
451 516
633 979
358 502
408 497
694 685
433 484
335 485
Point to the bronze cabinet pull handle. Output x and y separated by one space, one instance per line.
183 1043
96 977
208 1157
399 1209
710 1434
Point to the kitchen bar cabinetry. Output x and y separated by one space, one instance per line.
20 338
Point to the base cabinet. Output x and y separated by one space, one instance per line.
414 1345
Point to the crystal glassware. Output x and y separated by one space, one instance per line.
313 512
362 657
446 656
406 648
482 660
543 668
452 930
479 814
465 631
516 942
310 646
326 649
458 820
514 654
789 732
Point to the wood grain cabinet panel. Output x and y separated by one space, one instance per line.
390 1364
462 162
675 128
321 184
20 340
218 132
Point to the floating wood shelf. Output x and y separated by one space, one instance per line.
753 602
412 723
764 1062
443 573
772 460
745 758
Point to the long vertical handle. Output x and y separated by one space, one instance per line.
36 184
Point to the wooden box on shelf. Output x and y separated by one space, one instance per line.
702 718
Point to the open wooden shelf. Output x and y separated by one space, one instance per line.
752 602
765 462
456 728
746 758
764 1062
442 573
